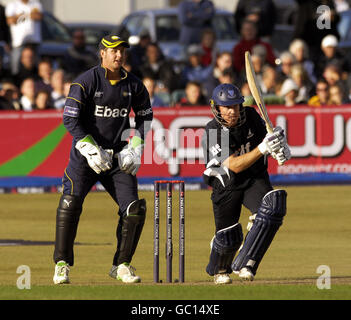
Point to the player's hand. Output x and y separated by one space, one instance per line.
129 159
98 159
279 133
282 155
271 143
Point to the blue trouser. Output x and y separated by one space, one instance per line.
77 182
122 187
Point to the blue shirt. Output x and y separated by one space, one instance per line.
94 106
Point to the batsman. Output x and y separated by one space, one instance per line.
96 114
236 146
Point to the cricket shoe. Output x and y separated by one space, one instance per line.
61 272
222 278
125 273
246 274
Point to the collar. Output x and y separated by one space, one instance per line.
124 73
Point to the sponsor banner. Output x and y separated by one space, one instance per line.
37 145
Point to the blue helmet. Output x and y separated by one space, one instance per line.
227 94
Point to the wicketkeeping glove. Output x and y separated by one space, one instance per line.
98 159
129 159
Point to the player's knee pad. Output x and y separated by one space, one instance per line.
129 231
67 218
268 220
224 246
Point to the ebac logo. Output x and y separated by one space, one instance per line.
108 112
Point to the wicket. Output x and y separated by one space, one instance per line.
169 243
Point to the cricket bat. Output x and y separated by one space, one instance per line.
256 91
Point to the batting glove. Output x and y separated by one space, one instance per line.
98 159
129 159
282 155
270 143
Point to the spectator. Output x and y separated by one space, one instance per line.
194 17
287 60
27 100
223 62
4 72
67 84
337 96
322 94
289 92
257 63
308 22
160 69
42 100
249 39
245 90
261 51
269 80
138 52
79 58
150 85
208 43
45 73
4 29
332 74
305 86
9 96
128 65
193 95
342 5
57 94
262 12
28 66
24 18
299 49
331 55
227 76
195 71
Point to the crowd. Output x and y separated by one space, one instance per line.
312 70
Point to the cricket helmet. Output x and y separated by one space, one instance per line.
226 95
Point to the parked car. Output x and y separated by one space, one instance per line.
164 27
55 37
93 31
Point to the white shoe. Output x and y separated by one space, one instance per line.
61 272
246 274
125 273
222 278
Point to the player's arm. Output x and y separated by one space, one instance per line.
74 105
11 16
36 14
129 158
98 159
242 162
270 144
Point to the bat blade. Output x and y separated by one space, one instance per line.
256 92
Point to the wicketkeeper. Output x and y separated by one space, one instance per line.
97 116
236 145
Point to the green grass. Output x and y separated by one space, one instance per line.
316 231
237 291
